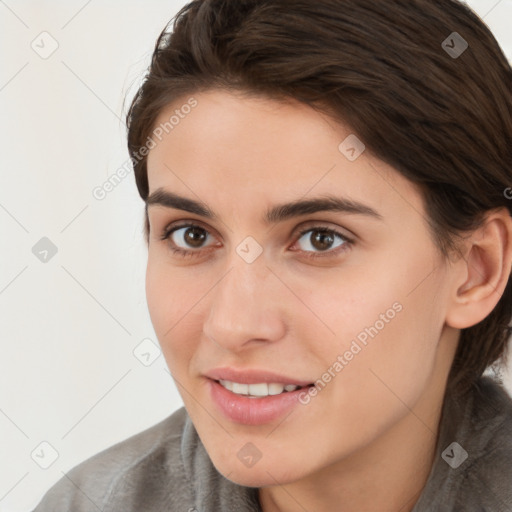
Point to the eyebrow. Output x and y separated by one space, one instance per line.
278 213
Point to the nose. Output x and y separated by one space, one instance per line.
246 307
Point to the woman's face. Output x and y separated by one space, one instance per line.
350 293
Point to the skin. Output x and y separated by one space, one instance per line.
366 441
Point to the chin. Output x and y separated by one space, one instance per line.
248 479
259 475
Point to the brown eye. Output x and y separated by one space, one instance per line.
185 240
194 236
321 239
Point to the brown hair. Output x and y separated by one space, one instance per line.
442 120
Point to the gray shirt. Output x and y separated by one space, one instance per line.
166 467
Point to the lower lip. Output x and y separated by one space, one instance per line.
253 411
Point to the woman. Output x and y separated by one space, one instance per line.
328 220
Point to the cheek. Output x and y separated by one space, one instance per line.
171 297
161 296
171 292
389 352
384 322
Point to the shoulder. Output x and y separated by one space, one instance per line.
129 475
472 469
486 475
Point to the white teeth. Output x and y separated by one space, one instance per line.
257 390
240 389
227 384
275 389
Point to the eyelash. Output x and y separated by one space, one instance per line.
348 242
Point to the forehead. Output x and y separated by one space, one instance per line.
239 150
254 130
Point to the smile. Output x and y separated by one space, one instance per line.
254 404
257 390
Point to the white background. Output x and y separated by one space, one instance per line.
68 327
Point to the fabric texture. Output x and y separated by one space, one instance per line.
166 467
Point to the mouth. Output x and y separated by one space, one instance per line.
257 403
260 389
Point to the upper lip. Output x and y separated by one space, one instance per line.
252 376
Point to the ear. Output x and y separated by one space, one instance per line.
483 272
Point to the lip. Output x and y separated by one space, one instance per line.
252 376
252 411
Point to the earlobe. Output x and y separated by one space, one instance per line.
486 269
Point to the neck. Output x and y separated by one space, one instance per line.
387 475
